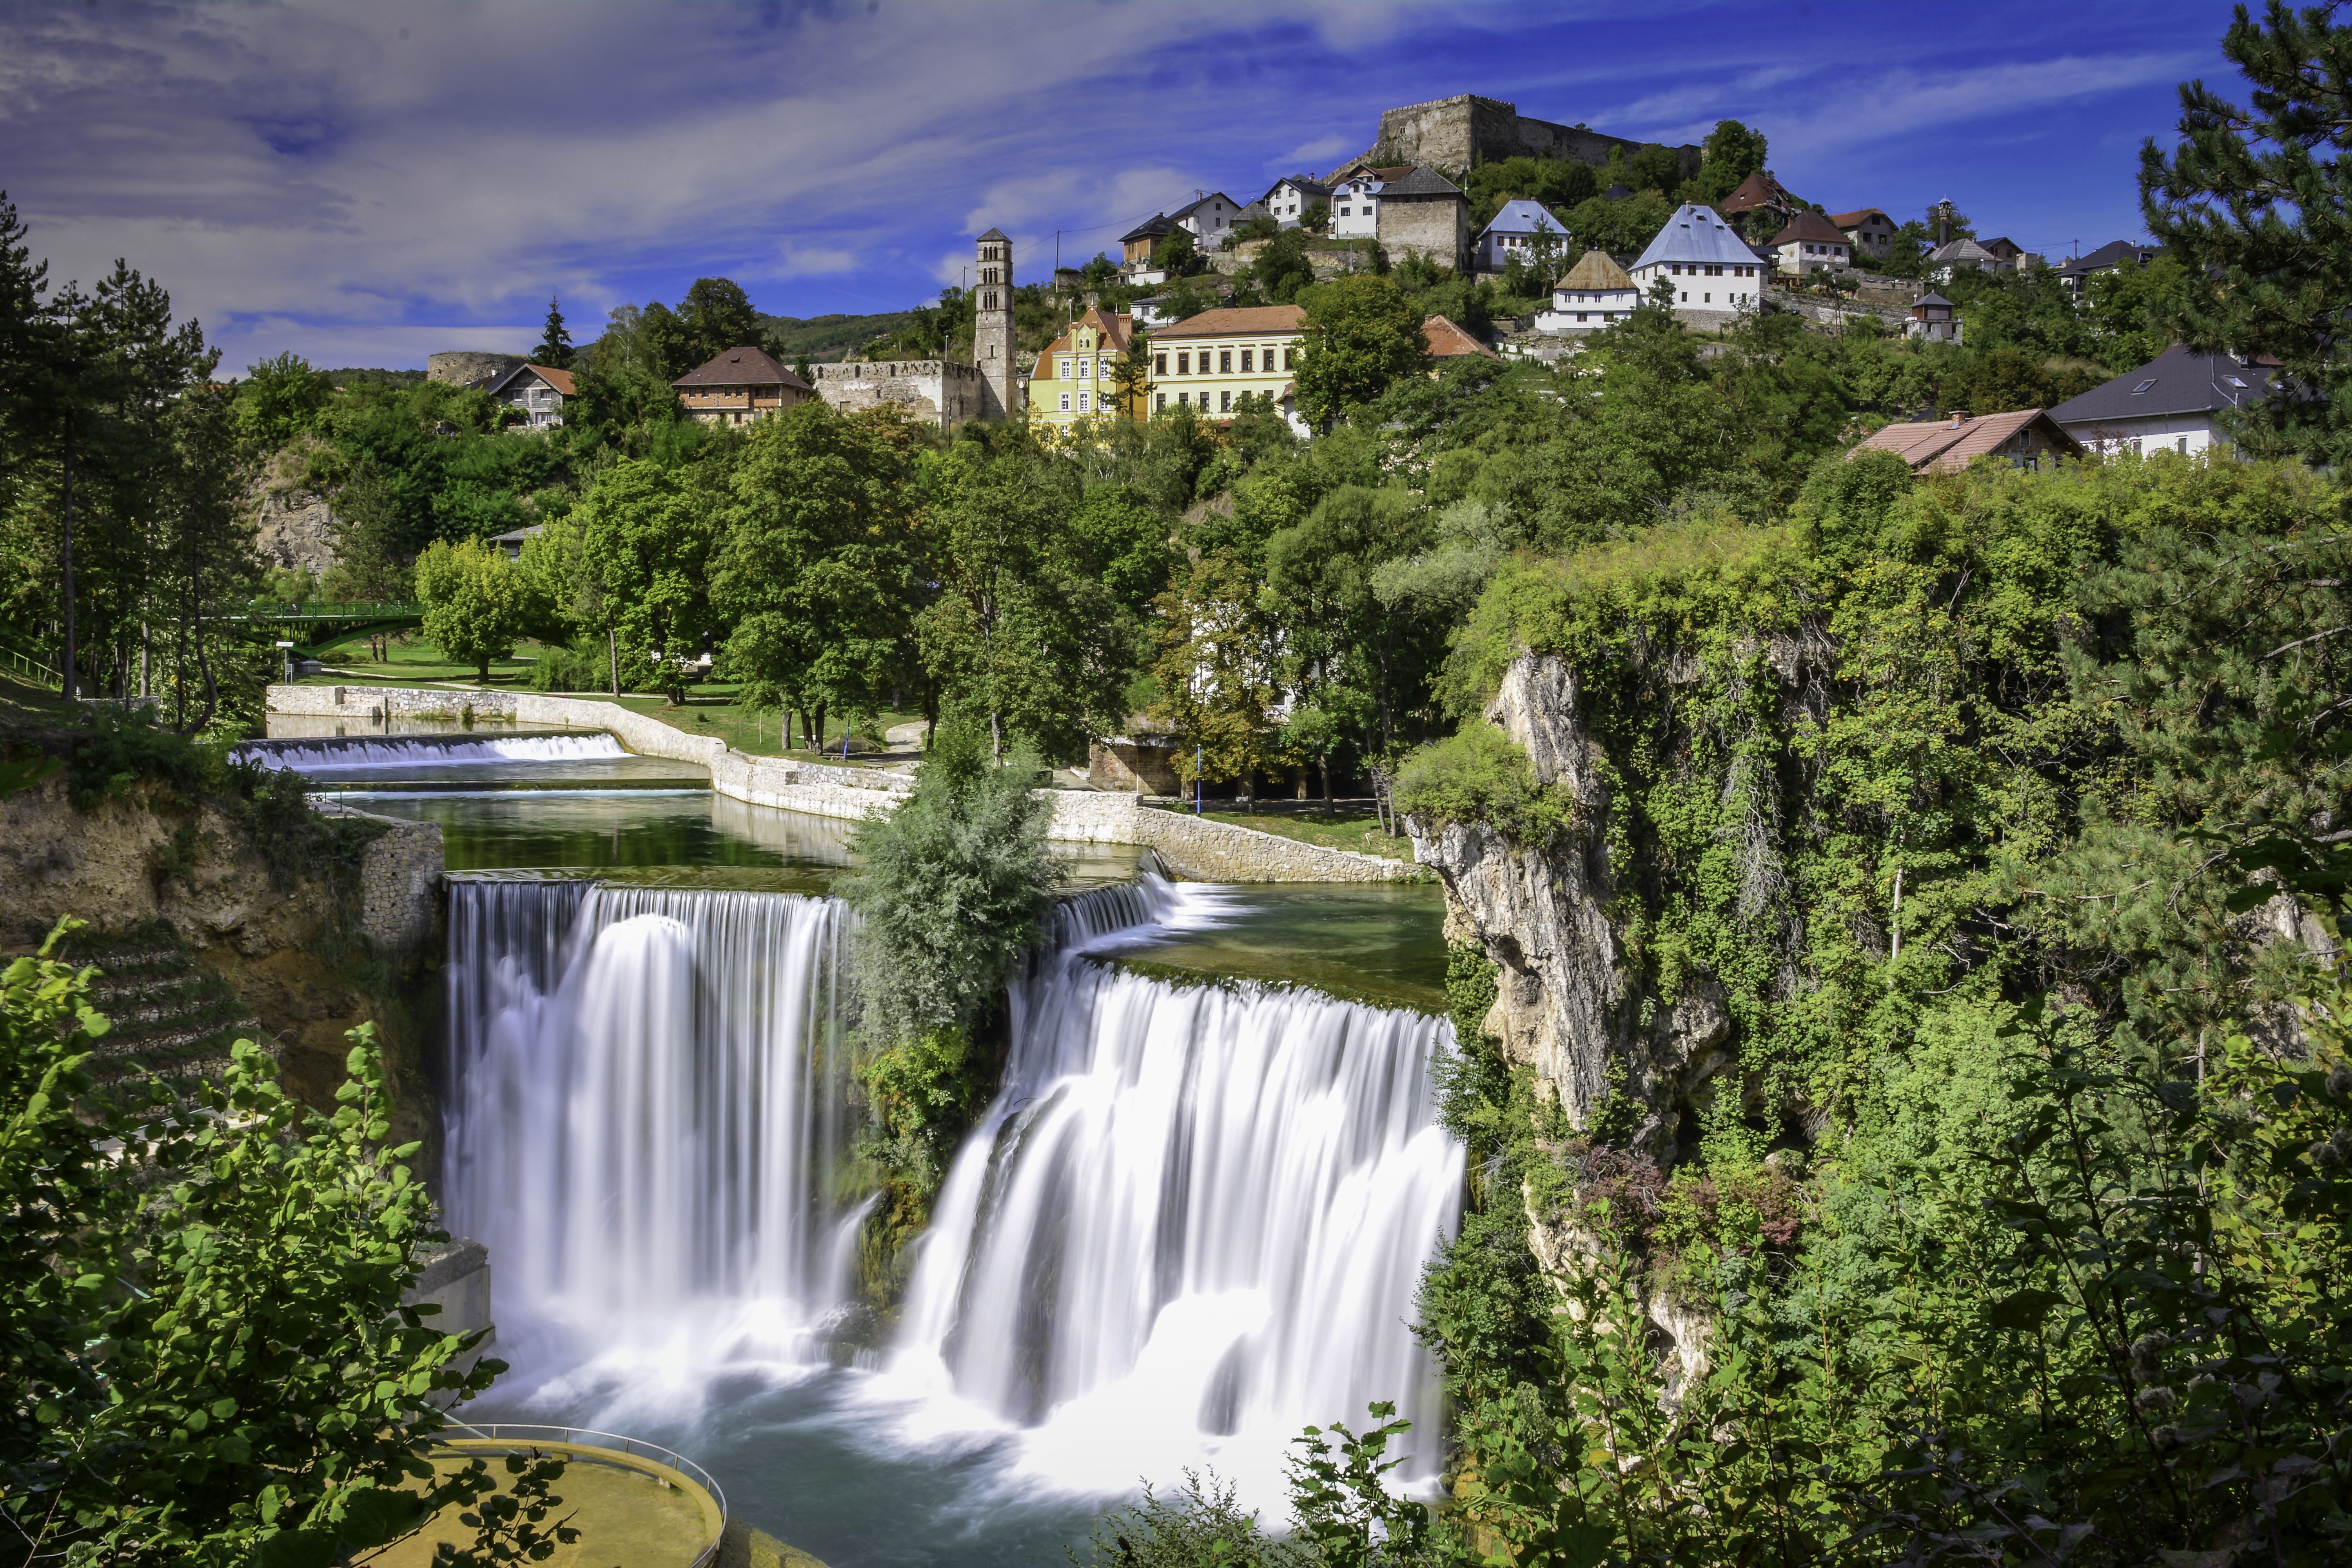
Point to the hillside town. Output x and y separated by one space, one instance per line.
1161 329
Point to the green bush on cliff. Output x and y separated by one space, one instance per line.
951 887
1479 775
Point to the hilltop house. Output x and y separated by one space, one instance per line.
1933 317
1209 360
1286 201
2172 404
2112 257
1870 231
1954 255
1356 199
1758 192
739 386
1714 274
1515 231
1595 292
1211 218
1447 342
1424 214
1076 377
1811 243
539 391
2024 439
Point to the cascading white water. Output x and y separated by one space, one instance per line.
648 1116
1191 1222
326 754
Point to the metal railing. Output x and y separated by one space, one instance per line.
330 610
32 669
533 1433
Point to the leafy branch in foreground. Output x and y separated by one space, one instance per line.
201 1329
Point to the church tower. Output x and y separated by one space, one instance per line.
992 337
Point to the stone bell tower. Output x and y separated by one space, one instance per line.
992 337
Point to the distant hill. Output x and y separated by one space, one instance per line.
829 337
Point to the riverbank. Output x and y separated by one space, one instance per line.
1191 847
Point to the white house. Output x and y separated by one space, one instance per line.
1595 293
539 390
1714 273
1211 217
1869 230
1515 232
2172 404
1288 200
1811 243
1356 199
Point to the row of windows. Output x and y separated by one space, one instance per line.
1183 399
1224 362
1825 250
1695 269
1085 372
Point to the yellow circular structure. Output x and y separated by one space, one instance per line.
635 1504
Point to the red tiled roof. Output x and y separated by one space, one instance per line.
1447 341
1857 218
1231 321
1810 226
558 379
1758 190
741 367
1946 446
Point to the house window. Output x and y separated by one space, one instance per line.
1160 364
1065 403
1163 400
2184 445
2143 387
1184 367
1183 397
1225 362
1245 361
1347 212
1065 370
1224 402
1580 315
1085 370
1082 403
1290 357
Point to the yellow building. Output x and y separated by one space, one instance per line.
1211 360
1076 377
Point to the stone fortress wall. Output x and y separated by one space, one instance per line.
937 391
1189 846
1466 129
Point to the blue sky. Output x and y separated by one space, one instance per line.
364 184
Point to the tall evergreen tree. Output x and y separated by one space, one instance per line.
554 349
2256 202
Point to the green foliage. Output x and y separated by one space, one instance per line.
951 887
206 1354
1360 334
1731 153
280 399
1339 1492
554 346
478 604
2258 193
1197 1526
1479 775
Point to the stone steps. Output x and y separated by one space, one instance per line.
173 1016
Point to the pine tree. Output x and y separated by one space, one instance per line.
554 349
2254 204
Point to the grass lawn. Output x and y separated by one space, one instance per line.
22 702
1343 829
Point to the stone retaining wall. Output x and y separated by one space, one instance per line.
1190 846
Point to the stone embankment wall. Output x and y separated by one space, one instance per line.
1190 846
937 391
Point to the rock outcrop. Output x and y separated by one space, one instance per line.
295 528
294 954
1566 1004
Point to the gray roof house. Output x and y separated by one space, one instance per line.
1714 274
2172 404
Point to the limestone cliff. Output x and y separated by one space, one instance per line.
306 958
1566 1005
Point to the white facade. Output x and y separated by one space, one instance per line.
1290 199
1211 218
1515 232
1714 273
2189 434
1587 310
1356 204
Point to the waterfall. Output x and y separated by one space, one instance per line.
324 754
1191 1223
647 1115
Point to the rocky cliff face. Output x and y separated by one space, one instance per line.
295 528
1566 1004
291 954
